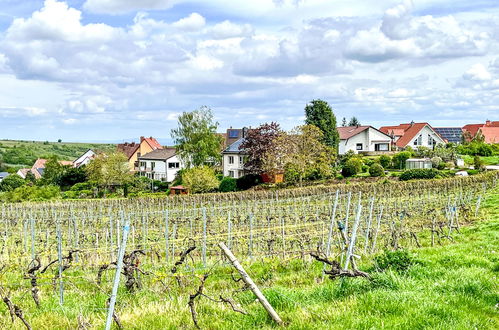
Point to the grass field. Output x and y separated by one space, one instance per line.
492 160
452 286
25 153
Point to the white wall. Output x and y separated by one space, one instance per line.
84 159
369 138
237 167
425 140
162 171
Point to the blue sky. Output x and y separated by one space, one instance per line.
112 70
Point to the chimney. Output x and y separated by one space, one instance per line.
412 123
141 139
487 123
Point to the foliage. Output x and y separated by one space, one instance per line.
32 193
200 179
320 114
11 182
478 163
354 122
352 167
196 138
227 185
248 181
476 148
109 170
399 260
420 173
376 170
436 161
258 143
398 160
385 161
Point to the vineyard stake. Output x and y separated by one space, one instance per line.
204 237
247 279
167 225
119 266
59 256
351 243
32 225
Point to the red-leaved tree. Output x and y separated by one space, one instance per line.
257 143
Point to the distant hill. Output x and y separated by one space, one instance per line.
25 153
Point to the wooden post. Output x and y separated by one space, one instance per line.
245 277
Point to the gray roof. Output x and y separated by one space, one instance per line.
159 154
451 134
4 174
234 147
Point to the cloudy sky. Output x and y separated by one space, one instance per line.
102 70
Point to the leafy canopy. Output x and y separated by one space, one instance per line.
196 138
320 114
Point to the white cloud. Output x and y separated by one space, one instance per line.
227 29
477 72
114 7
193 22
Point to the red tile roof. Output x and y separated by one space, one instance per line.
349 131
406 132
128 149
153 143
472 128
490 133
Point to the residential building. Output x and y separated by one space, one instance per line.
489 131
84 159
160 164
451 134
134 150
38 168
363 139
414 135
3 175
233 160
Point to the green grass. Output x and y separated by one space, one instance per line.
25 153
453 286
492 160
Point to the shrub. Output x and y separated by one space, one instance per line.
11 183
248 181
365 168
441 166
385 161
420 173
435 161
200 179
399 260
399 159
227 184
352 167
376 170
478 163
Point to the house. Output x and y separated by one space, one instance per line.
38 168
233 160
84 159
451 134
414 135
160 164
489 131
363 139
134 150
3 175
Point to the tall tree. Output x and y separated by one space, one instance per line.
110 170
320 114
196 138
257 143
344 122
354 121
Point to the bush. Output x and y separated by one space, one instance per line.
399 159
399 260
376 170
365 168
478 163
352 167
385 161
248 181
436 161
32 193
441 166
227 184
200 179
420 173
11 183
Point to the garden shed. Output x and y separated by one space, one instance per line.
413 163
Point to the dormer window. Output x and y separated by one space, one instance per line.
233 133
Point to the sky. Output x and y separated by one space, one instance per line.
115 70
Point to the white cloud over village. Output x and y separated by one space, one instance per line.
134 66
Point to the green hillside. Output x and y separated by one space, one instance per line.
25 153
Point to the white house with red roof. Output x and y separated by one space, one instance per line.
414 135
363 139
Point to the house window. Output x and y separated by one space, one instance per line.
381 147
231 159
143 164
240 160
153 165
173 165
418 141
233 133
359 146
231 174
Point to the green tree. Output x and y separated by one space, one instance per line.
344 122
400 158
110 170
200 179
320 114
354 122
11 182
52 172
196 138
